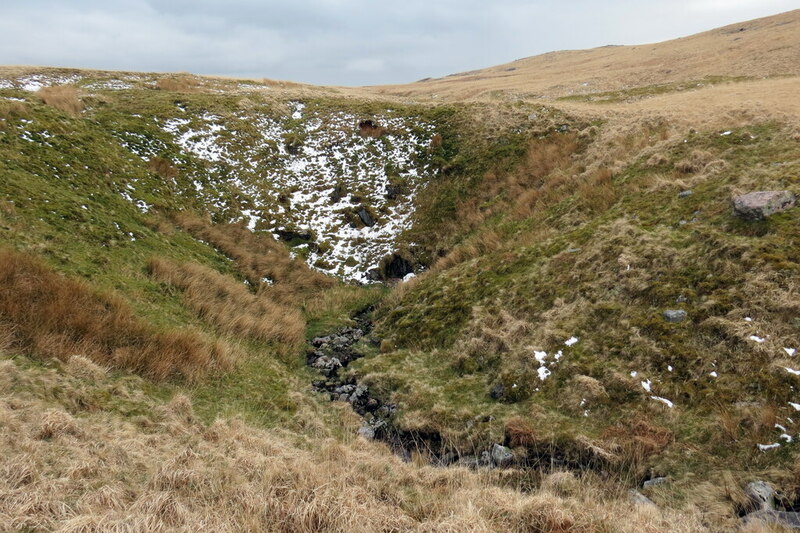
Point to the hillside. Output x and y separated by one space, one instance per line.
755 49
498 301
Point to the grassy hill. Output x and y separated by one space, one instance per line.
170 242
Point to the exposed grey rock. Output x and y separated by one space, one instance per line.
367 432
684 194
638 498
319 341
674 315
365 217
502 456
761 495
656 481
786 519
486 459
497 391
761 204
470 461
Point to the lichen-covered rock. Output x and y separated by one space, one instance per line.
501 456
761 495
674 315
761 204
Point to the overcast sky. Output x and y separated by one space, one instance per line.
343 42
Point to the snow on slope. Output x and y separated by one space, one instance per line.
312 173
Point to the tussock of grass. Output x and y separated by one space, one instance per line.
230 306
62 97
57 317
258 256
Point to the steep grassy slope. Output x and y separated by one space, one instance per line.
544 329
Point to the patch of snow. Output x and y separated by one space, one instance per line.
571 341
663 400
766 447
409 276
634 374
790 351
13 99
647 385
795 406
788 438
669 367
792 371
724 133
714 374
109 85
748 319
543 373
297 114
540 356
757 338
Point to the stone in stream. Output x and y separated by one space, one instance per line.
786 519
759 205
367 432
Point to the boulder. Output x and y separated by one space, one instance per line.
367 432
656 481
761 495
497 391
761 204
501 456
785 519
674 315
365 217
637 498
684 194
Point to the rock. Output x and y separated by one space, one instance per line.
365 217
502 456
638 498
367 432
761 204
497 392
656 481
761 495
681 299
674 315
486 459
786 519
684 194
470 461
319 341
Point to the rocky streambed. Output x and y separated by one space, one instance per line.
331 354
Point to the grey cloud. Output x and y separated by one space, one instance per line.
348 42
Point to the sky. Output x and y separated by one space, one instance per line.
341 42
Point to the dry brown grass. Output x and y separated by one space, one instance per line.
163 167
258 256
53 316
62 97
168 472
230 306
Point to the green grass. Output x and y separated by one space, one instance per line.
692 247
